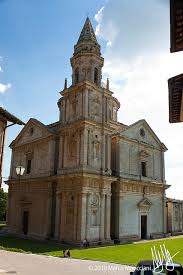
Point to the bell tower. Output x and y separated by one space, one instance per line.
87 62
88 116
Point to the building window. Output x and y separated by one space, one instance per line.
110 114
31 131
144 168
76 75
96 76
29 161
142 132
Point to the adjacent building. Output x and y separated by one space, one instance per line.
174 216
88 176
5 117
176 83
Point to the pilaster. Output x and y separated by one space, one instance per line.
108 217
57 215
102 216
83 215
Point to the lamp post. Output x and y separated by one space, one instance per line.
20 171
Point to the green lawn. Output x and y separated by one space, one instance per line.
124 254
2 225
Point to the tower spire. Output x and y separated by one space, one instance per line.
87 61
87 33
87 41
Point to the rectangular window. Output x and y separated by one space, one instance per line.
29 166
144 169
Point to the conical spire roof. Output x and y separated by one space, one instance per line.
87 33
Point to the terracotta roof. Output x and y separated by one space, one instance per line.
9 117
175 85
176 25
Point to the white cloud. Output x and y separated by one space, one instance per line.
110 31
4 87
138 64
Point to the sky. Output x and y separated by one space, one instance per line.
36 43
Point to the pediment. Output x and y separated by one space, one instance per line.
32 131
141 131
144 203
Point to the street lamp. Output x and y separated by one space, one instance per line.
20 171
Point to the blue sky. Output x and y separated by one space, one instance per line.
36 42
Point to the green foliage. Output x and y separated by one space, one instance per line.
3 204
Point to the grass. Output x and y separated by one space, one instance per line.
123 254
131 253
2 225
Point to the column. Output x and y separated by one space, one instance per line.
86 104
57 215
75 216
102 216
119 217
62 216
86 147
103 152
64 111
109 154
164 212
106 109
48 212
87 218
163 166
83 215
108 217
63 152
60 164
67 109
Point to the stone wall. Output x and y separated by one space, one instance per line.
26 197
175 216
131 200
130 149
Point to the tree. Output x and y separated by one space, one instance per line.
3 204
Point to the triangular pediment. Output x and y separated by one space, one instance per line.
143 133
144 203
32 131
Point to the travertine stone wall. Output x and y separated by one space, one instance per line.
84 203
42 155
174 216
26 197
130 149
130 200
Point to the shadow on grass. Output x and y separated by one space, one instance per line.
32 246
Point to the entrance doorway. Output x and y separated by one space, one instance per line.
25 222
143 227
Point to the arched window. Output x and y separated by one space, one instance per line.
96 76
76 75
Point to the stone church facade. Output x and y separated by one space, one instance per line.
88 176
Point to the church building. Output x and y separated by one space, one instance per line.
87 176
